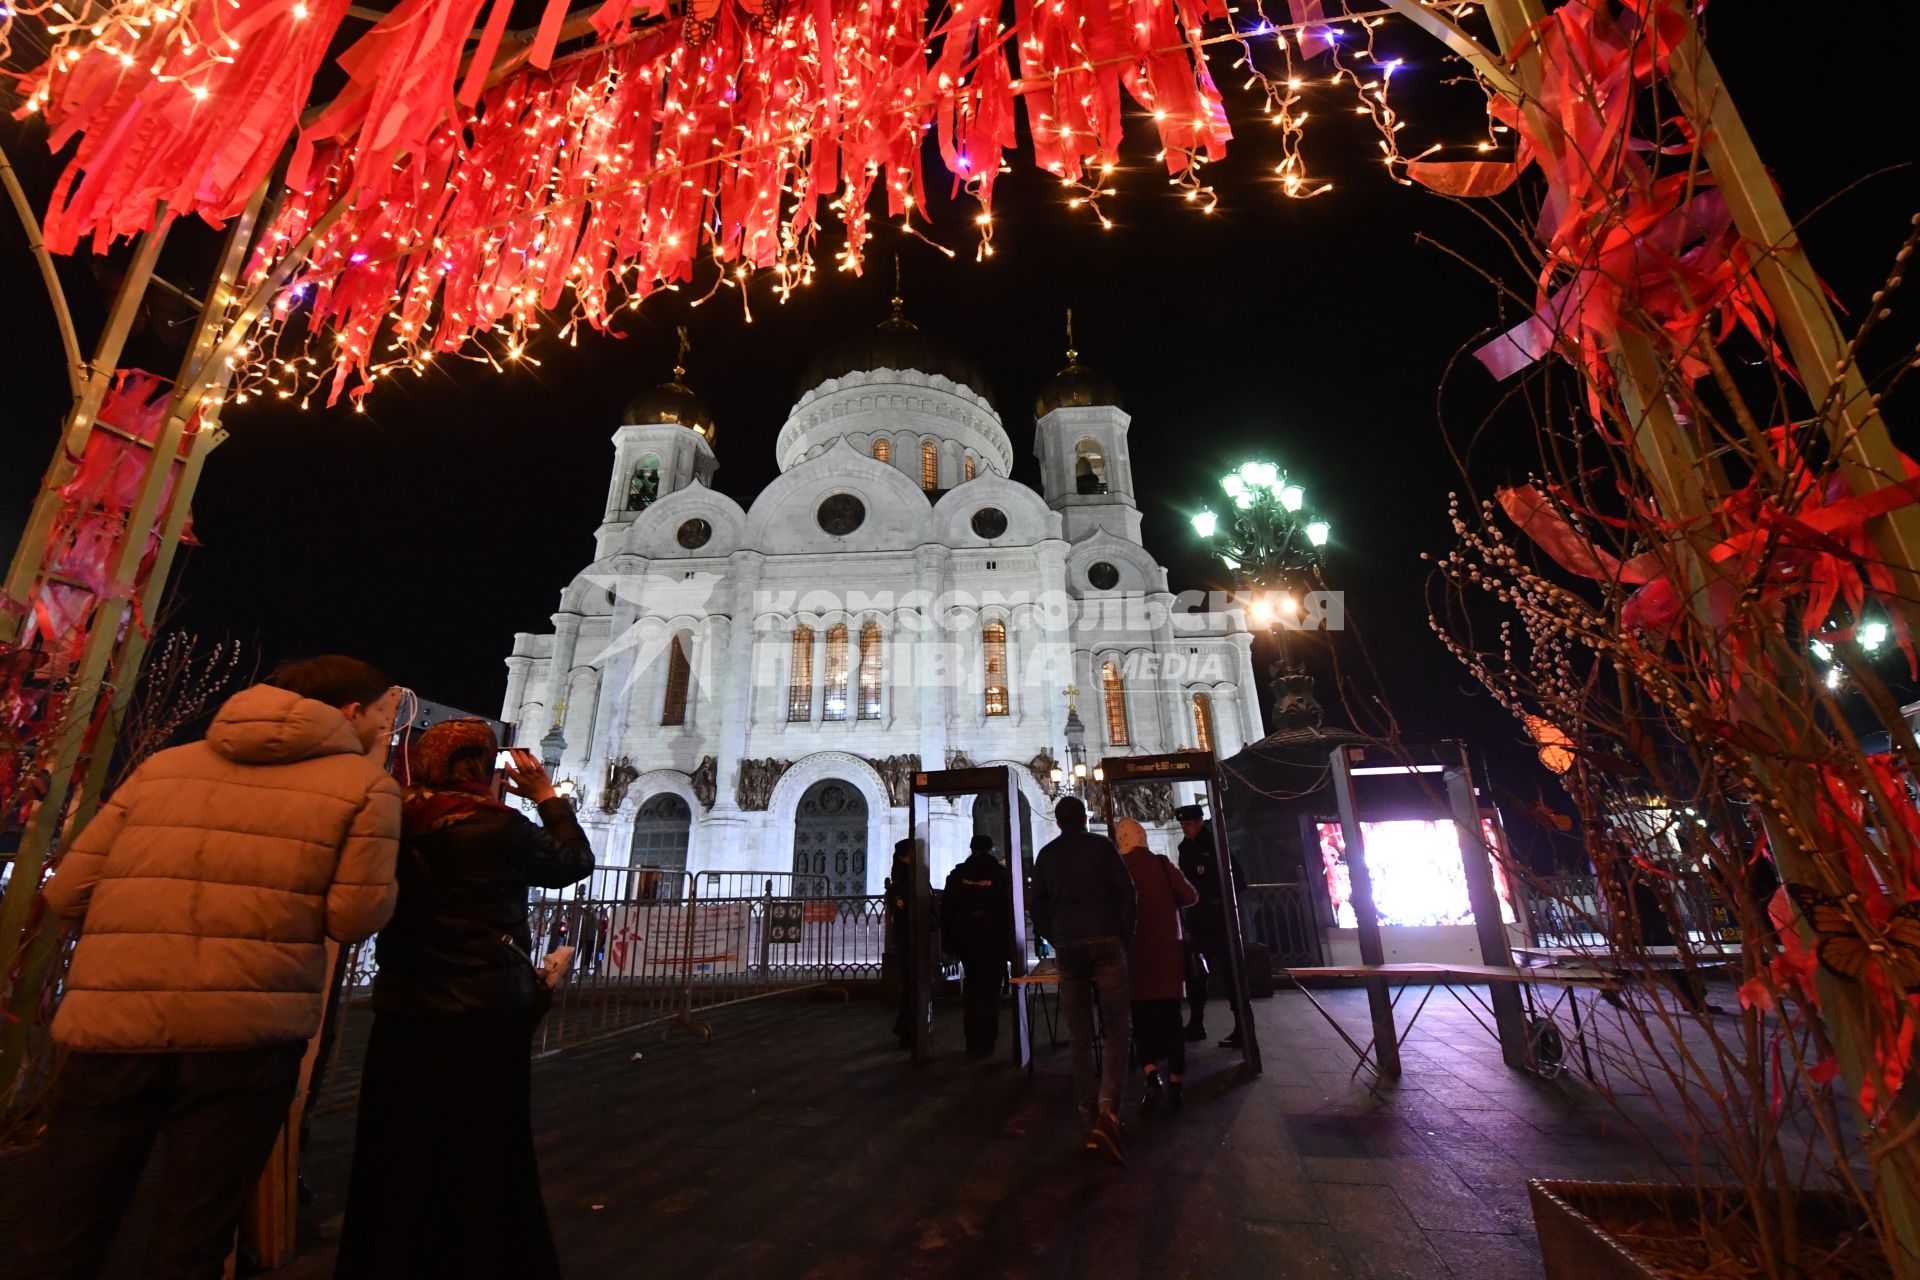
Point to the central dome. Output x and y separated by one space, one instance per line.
897 343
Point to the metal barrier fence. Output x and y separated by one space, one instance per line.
1280 918
1572 911
639 963
670 884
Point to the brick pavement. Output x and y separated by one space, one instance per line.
800 1143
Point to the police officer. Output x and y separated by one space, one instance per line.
976 924
1206 923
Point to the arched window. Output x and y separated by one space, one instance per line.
834 702
882 450
1114 689
967 468
673 709
929 465
1089 468
643 486
993 643
870 671
1203 721
800 677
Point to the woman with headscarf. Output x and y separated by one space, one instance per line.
444 1181
1158 963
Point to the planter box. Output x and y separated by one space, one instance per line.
1575 1223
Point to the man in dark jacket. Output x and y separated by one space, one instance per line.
976 922
1206 923
1083 902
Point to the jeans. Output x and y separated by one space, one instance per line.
220 1112
1096 968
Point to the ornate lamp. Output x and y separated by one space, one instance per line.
1075 779
1273 544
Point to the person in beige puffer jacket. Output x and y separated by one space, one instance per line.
209 885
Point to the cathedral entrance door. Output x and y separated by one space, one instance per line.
830 837
660 829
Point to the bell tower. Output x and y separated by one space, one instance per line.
664 443
1080 438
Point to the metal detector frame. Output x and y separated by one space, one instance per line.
1198 766
999 780
1456 772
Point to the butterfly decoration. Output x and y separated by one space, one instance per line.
703 18
1847 949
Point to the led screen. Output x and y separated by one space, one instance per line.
1417 876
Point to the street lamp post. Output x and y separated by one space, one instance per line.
1274 545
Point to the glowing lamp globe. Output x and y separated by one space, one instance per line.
1318 532
1292 497
1236 487
1205 523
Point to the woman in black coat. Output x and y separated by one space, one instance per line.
444 1179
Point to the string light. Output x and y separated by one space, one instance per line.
555 197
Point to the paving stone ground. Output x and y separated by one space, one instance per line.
800 1143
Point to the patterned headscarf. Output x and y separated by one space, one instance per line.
1129 834
430 756
435 798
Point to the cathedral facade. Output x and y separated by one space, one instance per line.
750 689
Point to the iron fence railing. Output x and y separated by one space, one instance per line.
670 884
1573 911
657 961
1280 918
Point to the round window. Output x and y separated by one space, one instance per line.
1103 576
694 534
841 514
989 522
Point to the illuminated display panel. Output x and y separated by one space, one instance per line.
1417 876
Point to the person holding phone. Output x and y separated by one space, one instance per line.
444 1179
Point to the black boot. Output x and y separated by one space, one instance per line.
1196 1030
1155 1091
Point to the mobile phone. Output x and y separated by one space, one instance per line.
502 758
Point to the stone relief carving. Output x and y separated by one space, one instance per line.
753 785
702 779
957 759
1042 767
1149 802
897 773
620 776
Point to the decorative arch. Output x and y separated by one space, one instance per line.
655 532
849 768
654 782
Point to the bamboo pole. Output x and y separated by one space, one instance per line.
42 258
32 549
205 367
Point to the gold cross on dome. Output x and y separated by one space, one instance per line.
1072 692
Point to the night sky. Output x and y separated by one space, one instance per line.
1317 333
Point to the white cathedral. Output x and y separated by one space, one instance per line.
752 689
